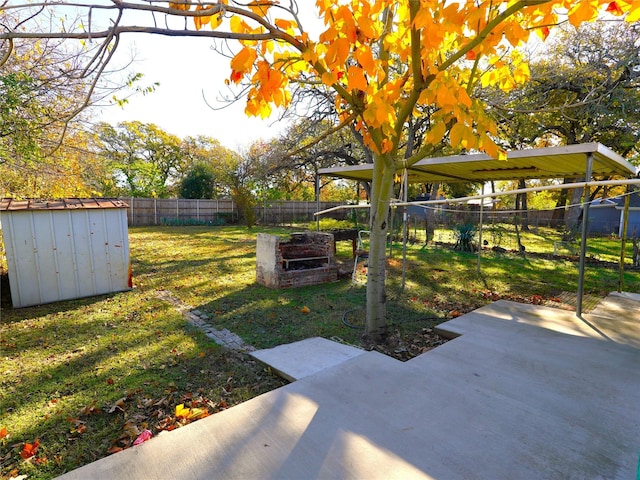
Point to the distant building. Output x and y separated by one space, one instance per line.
606 215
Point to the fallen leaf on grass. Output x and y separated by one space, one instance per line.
190 413
118 405
29 449
3 432
91 409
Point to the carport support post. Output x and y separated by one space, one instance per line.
583 240
405 196
480 228
623 237
317 199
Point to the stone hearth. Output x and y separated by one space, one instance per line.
304 259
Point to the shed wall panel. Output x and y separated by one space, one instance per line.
65 254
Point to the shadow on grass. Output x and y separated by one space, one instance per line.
10 314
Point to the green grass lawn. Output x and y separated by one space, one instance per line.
85 377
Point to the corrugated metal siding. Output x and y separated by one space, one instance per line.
57 255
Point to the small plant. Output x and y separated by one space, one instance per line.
497 235
246 203
464 235
572 233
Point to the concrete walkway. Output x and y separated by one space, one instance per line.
523 392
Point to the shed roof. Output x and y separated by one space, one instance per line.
550 162
12 205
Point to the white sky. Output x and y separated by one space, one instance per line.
187 68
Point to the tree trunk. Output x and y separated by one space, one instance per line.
559 212
524 210
572 214
381 189
430 212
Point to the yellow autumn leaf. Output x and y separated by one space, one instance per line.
444 97
260 7
329 78
384 112
365 59
356 79
237 25
258 108
283 24
436 133
181 411
464 98
634 15
185 5
456 135
244 60
216 20
197 412
337 52
522 73
582 11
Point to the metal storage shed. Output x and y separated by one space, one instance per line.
65 249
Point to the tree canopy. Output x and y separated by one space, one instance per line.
383 59
584 87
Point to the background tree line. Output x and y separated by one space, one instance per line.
584 86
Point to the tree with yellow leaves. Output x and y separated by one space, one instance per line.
382 58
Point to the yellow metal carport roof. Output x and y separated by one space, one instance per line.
550 162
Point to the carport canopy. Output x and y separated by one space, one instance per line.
537 163
584 161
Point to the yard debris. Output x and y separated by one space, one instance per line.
404 347
143 437
29 449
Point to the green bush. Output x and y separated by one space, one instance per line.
464 235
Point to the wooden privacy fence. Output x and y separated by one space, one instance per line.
183 211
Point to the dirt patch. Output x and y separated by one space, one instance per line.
406 346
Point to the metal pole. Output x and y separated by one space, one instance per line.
583 240
405 185
480 228
317 201
623 236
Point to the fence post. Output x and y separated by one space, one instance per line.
155 211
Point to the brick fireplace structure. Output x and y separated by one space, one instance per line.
304 259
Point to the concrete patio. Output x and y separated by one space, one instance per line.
522 392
